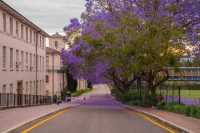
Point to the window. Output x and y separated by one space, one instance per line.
22 60
17 28
17 60
34 37
4 22
44 42
4 57
11 59
56 44
26 61
30 36
31 67
30 91
26 87
11 25
41 41
40 84
4 89
22 31
47 78
34 86
43 64
27 34
11 88
40 65
47 62
34 62
43 84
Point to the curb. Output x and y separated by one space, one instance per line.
171 124
31 120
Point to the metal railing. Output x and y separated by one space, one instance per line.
9 100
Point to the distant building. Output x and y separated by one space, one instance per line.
184 74
55 78
186 59
82 84
22 60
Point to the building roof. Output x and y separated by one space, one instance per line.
19 16
52 51
57 35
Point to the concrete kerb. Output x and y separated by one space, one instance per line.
171 124
32 120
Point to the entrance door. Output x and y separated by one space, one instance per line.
19 93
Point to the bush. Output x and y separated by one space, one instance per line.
132 97
192 111
125 97
80 92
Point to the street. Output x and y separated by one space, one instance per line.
99 113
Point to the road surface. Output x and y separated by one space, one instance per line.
99 113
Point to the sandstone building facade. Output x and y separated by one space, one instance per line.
56 78
22 59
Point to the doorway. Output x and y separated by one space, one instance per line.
19 93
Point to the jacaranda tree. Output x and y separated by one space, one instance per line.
122 41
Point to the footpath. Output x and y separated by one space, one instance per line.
188 124
13 118
16 117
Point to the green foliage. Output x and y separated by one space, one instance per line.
133 97
192 111
64 93
136 48
80 92
73 83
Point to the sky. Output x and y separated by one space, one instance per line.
50 15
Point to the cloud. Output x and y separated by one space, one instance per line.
50 15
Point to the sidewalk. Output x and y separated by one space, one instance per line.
13 118
190 124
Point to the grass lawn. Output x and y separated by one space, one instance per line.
184 93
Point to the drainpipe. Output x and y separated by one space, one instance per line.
36 71
53 76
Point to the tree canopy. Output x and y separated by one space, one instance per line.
122 41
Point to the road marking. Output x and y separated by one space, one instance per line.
155 122
43 121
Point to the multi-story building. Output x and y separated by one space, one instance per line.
56 79
22 59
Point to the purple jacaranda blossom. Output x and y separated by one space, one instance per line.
101 15
73 26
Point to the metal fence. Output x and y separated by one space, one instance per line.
180 94
8 100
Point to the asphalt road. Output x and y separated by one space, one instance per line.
98 114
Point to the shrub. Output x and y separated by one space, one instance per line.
80 92
131 97
192 111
